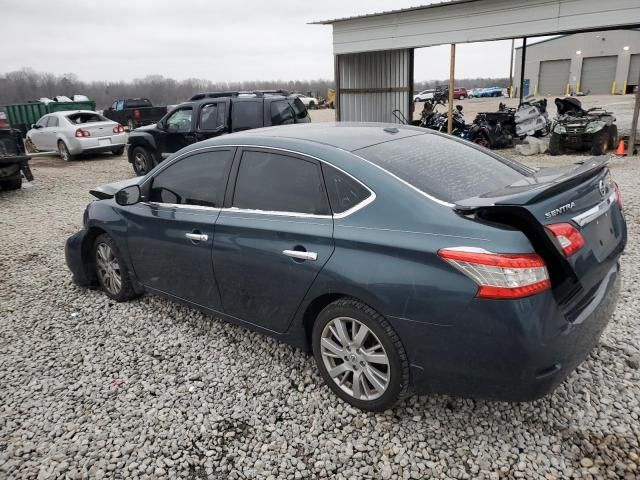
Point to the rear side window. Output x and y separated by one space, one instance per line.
212 116
281 113
195 180
299 109
344 192
449 170
279 183
246 115
53 122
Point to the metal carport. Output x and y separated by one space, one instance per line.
460 21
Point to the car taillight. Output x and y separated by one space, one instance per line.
616 189
568 236
136 114
82 133
500 275
118 129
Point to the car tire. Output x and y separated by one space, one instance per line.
64 151
555 145
14 184
613 137
375 355
142 161
482 141
599 142
118 151
29 147
111 271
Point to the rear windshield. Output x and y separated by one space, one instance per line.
79 118
137 103
299 108
446 169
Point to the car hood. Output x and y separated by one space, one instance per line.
110 189
145 128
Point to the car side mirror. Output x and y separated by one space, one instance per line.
33 125
128 195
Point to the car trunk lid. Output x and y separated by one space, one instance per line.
582 196
98 129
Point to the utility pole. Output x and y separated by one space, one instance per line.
634 123
513 43
452 71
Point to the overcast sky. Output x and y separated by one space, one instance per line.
214 40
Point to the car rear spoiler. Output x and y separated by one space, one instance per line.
109 190
543 184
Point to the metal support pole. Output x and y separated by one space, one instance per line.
634 123
452 71
336 73
522 61
513 42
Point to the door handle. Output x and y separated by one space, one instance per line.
313 256
197 237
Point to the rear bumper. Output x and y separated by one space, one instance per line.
506 350
96 144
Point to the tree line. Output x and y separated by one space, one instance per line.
26 85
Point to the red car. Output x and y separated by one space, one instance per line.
460 93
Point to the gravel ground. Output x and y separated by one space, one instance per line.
150 389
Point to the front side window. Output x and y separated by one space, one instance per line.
273 182
212 116
42 122
180 121
53 122
120 105
199 179
344 192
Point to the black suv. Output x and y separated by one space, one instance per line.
208 115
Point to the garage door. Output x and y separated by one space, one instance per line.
554 76
598 74
634 70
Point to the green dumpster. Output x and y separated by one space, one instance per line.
23 115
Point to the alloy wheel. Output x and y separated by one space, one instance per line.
140 163
64 153
108 269
355 358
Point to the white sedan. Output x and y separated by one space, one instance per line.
75 132
424 95
308 101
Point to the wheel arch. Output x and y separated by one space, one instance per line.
85 252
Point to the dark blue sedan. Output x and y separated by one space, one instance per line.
406 260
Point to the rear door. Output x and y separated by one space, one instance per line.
274 239
170 236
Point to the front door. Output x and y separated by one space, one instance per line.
274 240
170 236
177 132
39 135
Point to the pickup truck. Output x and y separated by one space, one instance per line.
134 112
208 115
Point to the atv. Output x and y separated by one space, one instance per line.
14 163
578 129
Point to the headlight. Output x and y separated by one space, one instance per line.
594 127
560 129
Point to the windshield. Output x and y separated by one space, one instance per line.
446 169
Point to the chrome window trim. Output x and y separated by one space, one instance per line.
595 212
344 214
181 206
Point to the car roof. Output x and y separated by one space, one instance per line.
64 113
349 136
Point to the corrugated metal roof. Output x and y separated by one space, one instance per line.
391 12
